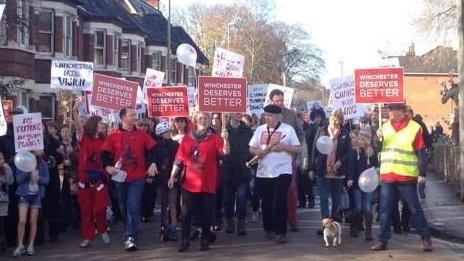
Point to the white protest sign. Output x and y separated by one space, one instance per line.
3 125
98 111
71 75
227 63
342 96
153 78
2 8
288 94
192 96
257 98
28 131
141 101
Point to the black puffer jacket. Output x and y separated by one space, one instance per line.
318 161
234 170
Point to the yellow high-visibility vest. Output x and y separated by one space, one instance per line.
398 154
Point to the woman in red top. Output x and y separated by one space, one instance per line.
92 193
199 153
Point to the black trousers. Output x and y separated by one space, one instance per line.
149 199
274 193
200 206
305 188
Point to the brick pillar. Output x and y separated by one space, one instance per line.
59 34
148 64
109 50
133 58
89 45
80 41
142 60
75 37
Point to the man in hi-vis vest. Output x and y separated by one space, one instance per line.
402 160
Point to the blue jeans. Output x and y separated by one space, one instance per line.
408 193
235 197
362 202
334 187
130 201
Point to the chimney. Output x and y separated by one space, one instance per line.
412 50
153 3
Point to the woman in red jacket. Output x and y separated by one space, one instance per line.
93 192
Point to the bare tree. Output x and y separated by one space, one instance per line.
438 18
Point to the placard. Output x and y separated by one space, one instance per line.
153 78
3 124
379 85
71 75
222 94
7 107
28 131
227 64
2 8
288 94
168 102
113 93
257 98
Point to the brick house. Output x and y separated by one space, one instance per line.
121 37
423 76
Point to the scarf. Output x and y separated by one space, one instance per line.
332 157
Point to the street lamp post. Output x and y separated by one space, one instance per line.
460 16
168 55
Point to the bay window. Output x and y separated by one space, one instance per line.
45 33
173 75
126 55
100 48
156 61
116 50
23 22
68 31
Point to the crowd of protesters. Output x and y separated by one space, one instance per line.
207 168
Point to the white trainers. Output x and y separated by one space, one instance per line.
85 243
254 216
19 251
106 238
30 251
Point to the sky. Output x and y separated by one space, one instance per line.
350 32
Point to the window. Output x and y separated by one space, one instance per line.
100 48
174 71
116 50
23 21
68 30
41 102
156 61
190 76
139 58
125 54
3 34
45 31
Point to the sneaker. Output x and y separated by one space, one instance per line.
19 251
130 244
281 239
85 243
379 247
254 216
30 251
105 238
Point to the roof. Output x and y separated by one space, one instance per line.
442 59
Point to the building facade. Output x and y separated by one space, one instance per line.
121 37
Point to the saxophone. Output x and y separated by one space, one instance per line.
266 151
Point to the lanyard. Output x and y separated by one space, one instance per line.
269 133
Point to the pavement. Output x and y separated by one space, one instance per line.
443 209
304 244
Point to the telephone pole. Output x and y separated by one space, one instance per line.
460 16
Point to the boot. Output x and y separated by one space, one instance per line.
368 231
353 225
230 225
241 228
360 223
184 245
427 245
379 247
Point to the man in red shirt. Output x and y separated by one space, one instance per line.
402 162
123 157
199 153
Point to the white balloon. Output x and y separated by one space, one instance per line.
25 161
368 180
324 145
187 55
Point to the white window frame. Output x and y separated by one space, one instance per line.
100 48
156 60
173 70
68 20
52 32
116 38
129 54
139 58
190 76
22 11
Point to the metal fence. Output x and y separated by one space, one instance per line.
445 162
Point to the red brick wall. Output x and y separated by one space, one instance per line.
133 58
80 39
89 47
59 34
42 71
17 63
109 50
422 93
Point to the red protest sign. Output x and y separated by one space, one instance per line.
113 93
379 85
167 102
222 94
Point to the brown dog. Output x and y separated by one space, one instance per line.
332 229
